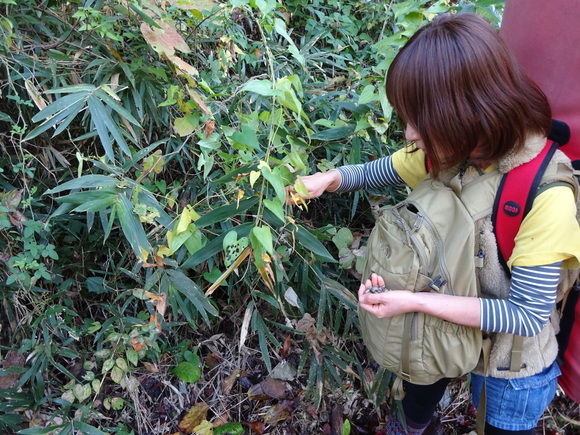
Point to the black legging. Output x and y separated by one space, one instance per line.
420 402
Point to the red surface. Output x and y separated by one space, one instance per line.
545 37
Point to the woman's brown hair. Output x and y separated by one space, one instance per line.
459 86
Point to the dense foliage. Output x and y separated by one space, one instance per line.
145 150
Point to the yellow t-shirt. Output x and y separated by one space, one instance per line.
549 233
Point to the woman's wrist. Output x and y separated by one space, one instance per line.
335 179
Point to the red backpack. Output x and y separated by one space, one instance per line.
513 201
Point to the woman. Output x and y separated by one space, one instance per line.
466 104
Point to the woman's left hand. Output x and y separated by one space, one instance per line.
387 304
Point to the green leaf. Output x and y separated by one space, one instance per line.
144 16
105 124
111 103
82 392
64 108
368 95
85 182
261 87
132 356
312 244
192 292
264 236
187 372
117 374
225 212
336 133
229 429
215 246
233 247
117 403
39 431
346 296
275 206
132 228
6 118
122 364
87 429
274 177
343 238
186 125
280 27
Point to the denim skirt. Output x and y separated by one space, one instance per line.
516 404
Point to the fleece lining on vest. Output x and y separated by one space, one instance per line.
541 350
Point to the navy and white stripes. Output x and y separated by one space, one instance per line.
377 173
530 302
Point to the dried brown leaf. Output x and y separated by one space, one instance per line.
209 128
286 347
159 301
213 359
137 343
230 381
13 359
220 420
256 426
278 413
275 388
151 367
305 323
194 417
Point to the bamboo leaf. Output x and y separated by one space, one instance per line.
215 246
105 124
336 133
84 182
192 292
72 89
245 253
59 105
110 102
144 16
225 212
74 111
98 116
131 226
312 244
55 113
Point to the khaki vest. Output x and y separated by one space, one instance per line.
477 192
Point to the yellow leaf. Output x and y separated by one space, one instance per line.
267 274
229 270
254 175
144 254
194 417
164 251
204 428
184 221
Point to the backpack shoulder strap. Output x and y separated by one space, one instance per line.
519 188
514 200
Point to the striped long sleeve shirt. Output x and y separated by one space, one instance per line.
532 294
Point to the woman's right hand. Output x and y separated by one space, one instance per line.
315 184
